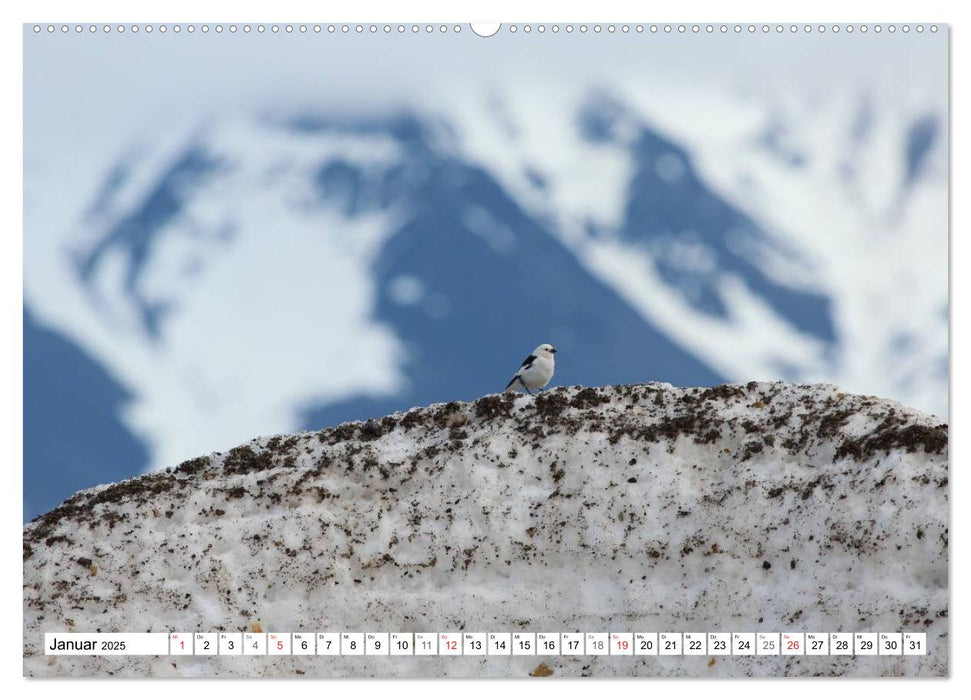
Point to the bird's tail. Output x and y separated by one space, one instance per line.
509 386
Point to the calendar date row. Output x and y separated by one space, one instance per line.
488 644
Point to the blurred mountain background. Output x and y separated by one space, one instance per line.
333 228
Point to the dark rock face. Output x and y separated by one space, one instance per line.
640 508
71 407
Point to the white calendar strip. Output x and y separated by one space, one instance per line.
488 644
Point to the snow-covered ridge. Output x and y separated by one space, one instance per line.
748 507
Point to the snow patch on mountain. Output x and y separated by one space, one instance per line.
191 271
843 192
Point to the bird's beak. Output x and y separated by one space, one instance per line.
553 350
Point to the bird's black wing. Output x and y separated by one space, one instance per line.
528 362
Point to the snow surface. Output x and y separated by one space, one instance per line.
755 507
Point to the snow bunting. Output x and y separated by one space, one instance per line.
536 370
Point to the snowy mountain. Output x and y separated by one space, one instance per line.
643 508
261 274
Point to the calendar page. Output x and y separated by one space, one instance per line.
279 282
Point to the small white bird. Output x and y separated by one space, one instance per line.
536 370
